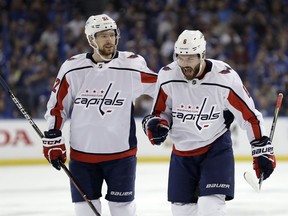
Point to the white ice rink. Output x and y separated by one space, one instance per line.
41 191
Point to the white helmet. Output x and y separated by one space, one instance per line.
190 42
99 23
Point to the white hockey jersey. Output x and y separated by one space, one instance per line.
99 98
195 109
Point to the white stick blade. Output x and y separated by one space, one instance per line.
251 180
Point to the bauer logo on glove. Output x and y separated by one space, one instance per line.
256 151
264 161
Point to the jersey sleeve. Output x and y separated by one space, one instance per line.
241 104
147 78
60 101
162 104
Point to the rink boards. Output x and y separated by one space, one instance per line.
20 144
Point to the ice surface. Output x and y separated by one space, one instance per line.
41 191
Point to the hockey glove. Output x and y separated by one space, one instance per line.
155 128
54 147
263 157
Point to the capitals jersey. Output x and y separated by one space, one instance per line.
196 108
99 100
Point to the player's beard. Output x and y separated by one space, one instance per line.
107 50
189 72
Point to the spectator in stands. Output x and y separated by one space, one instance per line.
254 30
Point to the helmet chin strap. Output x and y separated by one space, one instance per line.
105 59
96 48
200 66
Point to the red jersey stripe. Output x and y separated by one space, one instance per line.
148 78
247 114
160 106
194 152
96 158
56 111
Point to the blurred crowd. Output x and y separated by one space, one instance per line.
38 35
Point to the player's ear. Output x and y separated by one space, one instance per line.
92 41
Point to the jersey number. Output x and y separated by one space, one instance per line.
57 82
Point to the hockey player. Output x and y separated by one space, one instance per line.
97 92
196 101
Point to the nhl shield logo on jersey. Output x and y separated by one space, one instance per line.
201 115
104 100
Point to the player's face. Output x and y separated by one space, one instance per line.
106 42
190 65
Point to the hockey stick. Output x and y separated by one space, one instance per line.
247 175
39 132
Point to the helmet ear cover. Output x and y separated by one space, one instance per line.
91 38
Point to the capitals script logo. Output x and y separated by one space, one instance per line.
101 99
202 116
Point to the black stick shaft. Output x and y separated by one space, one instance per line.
39 132
79 188
275 117
20 107
272 130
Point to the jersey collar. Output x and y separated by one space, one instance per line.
89 56
207 69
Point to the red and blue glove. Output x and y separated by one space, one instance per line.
264 161
155 128
54 147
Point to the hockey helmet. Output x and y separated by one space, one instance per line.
100 23
190 42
